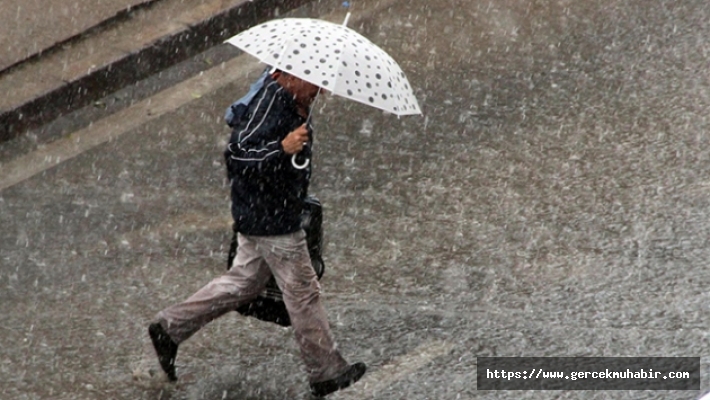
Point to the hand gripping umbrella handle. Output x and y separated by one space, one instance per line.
302 166
308 160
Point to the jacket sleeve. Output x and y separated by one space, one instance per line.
257 140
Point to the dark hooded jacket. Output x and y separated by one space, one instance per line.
267 190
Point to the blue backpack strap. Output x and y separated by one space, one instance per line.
236 111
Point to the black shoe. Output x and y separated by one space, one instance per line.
165 348
352 375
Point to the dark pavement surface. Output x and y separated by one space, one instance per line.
552 201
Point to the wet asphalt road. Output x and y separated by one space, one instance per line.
551 202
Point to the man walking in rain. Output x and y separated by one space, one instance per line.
268 186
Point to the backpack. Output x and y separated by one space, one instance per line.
238 109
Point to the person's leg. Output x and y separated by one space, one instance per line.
288 258
238 286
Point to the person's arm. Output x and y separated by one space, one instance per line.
257 140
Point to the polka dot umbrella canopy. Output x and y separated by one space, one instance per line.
333 57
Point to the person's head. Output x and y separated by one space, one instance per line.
303 92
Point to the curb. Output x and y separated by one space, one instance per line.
138 64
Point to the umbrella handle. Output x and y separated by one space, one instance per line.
302 166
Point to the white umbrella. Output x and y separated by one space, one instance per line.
333 57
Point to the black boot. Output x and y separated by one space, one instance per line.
165 348
352 375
